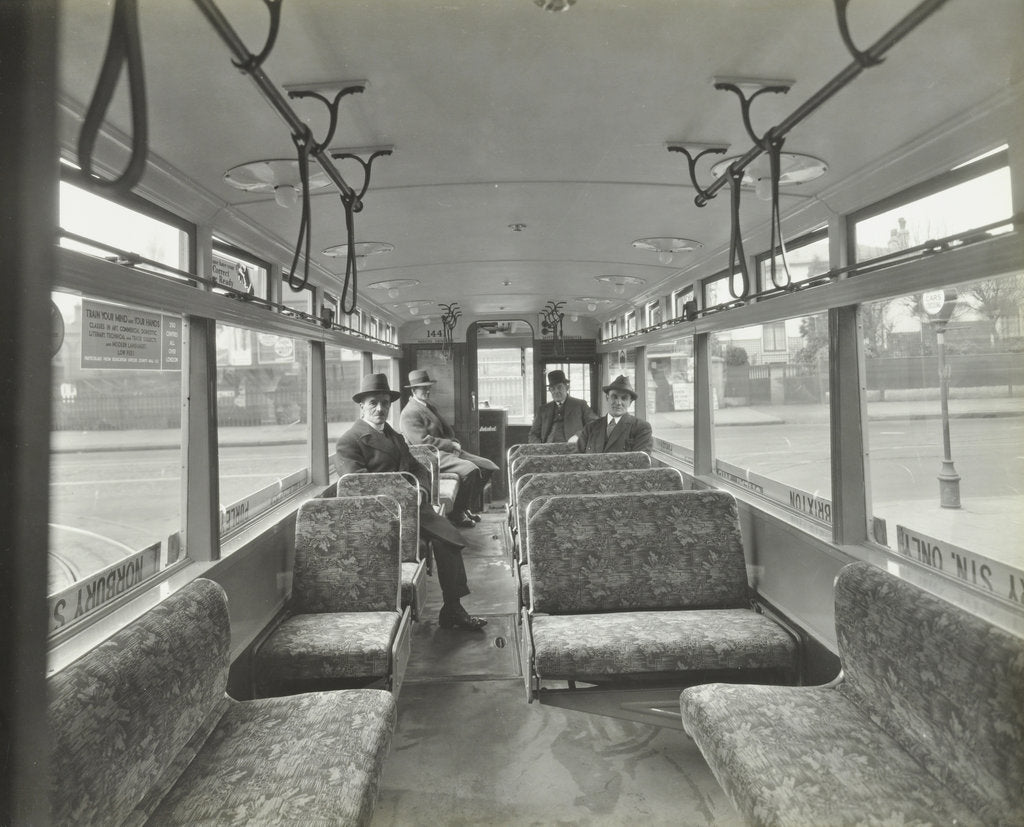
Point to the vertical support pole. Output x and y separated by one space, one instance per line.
851 496
316 424
640 385
28 216
199 434
703 418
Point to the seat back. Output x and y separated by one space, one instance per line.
943 682
545 463
590 482
400 485
347 555
522 449
127 715
636 552
429 456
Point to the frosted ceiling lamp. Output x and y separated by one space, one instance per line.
276 176
619 283
362 249
794 169
667 246
393 286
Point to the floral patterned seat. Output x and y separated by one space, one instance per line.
344 626
644 585
916 730
523 449
535 486
443 486
404 489
143 732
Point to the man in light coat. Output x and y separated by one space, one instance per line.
563 418
421 423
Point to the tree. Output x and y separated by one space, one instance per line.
996 300
814 332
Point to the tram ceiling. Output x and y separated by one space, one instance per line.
530 147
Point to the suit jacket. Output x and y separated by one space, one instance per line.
630 434
577 413
364 449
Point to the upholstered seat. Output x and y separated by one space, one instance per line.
915 731
344 624
404 489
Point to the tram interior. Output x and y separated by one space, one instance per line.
268 201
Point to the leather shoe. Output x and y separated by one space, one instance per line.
474 517
461 522
463 621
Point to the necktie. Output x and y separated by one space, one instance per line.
611 427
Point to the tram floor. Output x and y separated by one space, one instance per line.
469 750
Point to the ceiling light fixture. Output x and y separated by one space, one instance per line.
794 168
363 249
619 282
667 246
393 286
591 302
554 5
277 176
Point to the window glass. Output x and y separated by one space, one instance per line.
578 374
977 202
344 373
805 261
679 299
301 300
631 322
89 215
263 431
238 273
771 412
653 314
716 290
944 371
505 380
670 392
116 447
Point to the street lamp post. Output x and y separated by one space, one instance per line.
939 304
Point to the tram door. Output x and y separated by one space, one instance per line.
499 361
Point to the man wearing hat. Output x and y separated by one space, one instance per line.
562 419
371 445
421 423
619 430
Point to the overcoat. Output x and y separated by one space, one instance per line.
577 413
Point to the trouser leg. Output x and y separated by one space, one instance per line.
451 572
470 484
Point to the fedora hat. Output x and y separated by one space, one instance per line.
557 377
419 379
621 384
374 383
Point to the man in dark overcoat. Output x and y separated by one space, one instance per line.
371 445
562 419
619 430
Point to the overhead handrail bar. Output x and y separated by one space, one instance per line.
246 60
870 56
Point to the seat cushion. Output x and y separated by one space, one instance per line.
807 755
342 645
620 643
315 758
524 584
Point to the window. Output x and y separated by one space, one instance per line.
578 374
775 341
669 378
505 380
344 370
652 314
771 421
116 437
116 456
931 501
263 435
242 274
953 204
716 289
631 322
806 257
679 299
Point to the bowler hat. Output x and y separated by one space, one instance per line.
621 384
420 379
557 377
374 383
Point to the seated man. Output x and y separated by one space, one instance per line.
373 446
620 430
562 419
422 423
